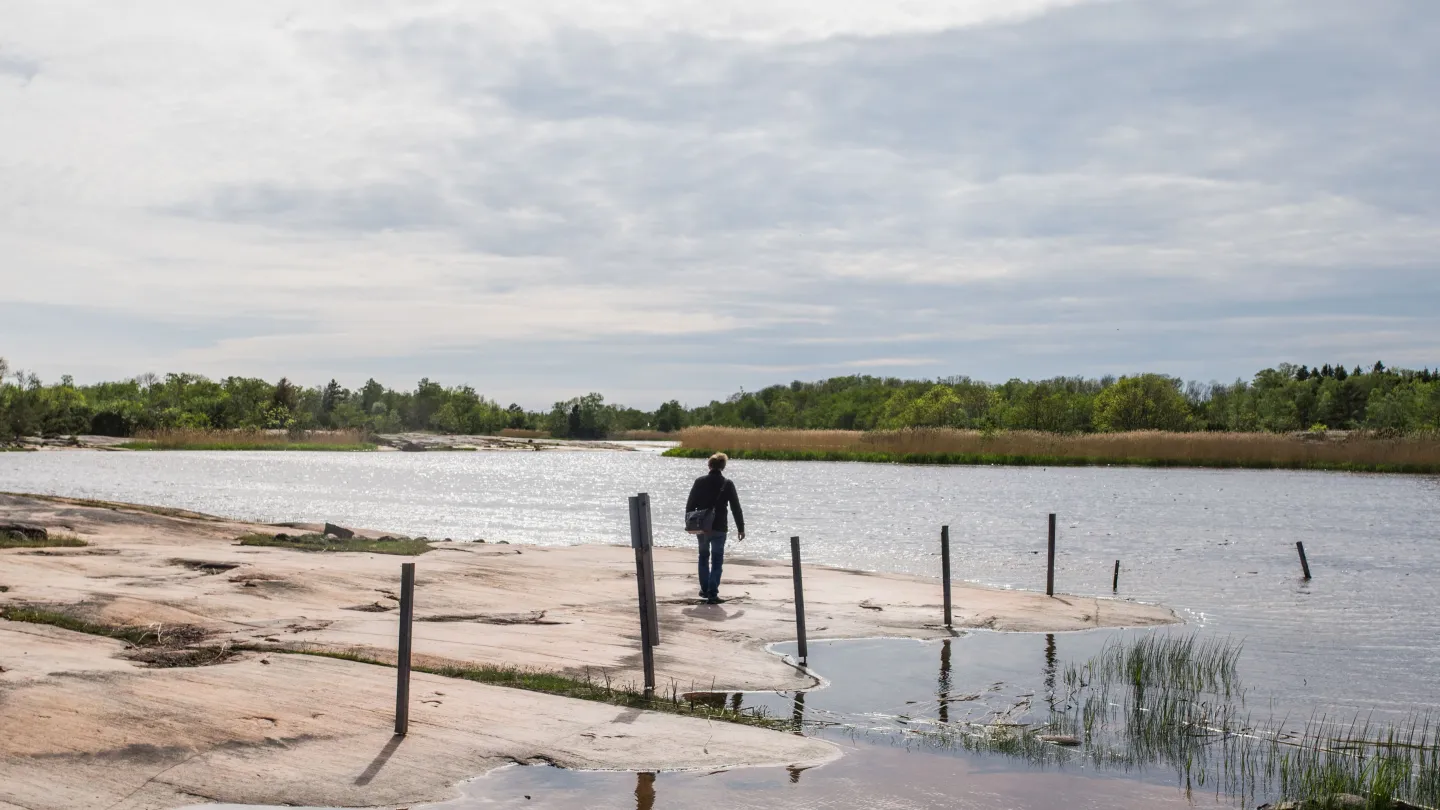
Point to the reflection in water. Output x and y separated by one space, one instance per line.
944 693
644 791
1050 669
794 774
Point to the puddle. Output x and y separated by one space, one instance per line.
958 723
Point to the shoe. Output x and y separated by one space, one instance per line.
715 600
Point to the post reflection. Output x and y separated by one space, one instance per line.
1050 669
944 691
644 791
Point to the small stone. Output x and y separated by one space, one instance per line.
282 536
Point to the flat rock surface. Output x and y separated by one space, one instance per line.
83 727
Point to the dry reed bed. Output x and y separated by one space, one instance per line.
1354 450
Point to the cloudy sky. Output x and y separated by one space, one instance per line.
656 198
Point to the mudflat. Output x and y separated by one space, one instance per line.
87 724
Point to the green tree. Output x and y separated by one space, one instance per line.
1142 402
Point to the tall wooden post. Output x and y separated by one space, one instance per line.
1050 565
799 598
945 569
1115 583
1304 563
402 659
647 539
637 539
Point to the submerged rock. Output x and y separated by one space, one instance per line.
1060 739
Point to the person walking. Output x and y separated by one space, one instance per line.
714 491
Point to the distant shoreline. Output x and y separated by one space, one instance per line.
1356 453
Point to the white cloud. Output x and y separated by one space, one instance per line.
596 194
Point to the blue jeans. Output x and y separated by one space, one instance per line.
712 559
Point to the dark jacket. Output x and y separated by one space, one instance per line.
706 493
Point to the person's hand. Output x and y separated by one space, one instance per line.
742 537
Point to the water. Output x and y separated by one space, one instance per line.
1216 545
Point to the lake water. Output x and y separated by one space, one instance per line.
1216 545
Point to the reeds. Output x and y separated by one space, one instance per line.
177 439
1176 701
1418 453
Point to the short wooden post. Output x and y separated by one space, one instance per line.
945 569
799 598
1304 563
647 652
402 659
1115 583
1050 565
647 539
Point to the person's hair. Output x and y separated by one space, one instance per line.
717 461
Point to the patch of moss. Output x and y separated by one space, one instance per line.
321 543
589 687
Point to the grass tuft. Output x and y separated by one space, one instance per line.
321 543
1348 452
55 540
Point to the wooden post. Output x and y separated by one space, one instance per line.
647 652
1304 563
402 659
1115 583
1050 566
945 569
647 538
799 598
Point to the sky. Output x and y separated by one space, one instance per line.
661 199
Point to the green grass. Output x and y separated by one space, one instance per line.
989 459
16 540
320 543
590 687
159 645
246 445
151 635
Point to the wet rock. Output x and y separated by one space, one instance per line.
410 447
339 531
282 536
27 530
1060 739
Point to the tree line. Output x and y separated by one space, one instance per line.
1285 398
